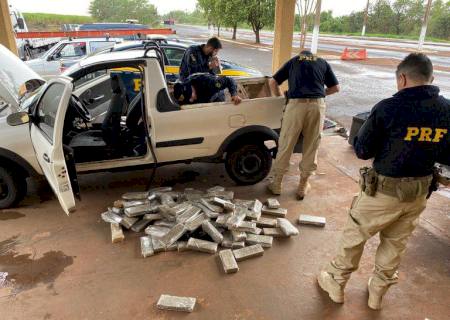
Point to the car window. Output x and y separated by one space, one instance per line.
174 55
47 109
88 78
100 45
73 49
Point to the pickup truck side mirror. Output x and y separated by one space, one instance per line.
51 57
18 118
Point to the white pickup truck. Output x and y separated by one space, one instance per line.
71 124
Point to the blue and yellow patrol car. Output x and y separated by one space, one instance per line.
173 51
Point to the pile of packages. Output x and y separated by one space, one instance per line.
200 221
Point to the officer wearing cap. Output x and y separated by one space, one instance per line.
205 88
201 59
405 135
304 114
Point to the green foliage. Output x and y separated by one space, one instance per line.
390 17
381 17
232 13
439 24
43 20
195 17
400 17
260 13
121 10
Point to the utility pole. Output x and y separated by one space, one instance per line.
423 32
315 36
366 15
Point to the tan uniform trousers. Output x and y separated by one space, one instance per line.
301 116
383 214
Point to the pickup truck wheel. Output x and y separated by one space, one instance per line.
13 188
248 163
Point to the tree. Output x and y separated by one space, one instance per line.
355 21
213 10
259 14
400 8
305 10
439 24
381 17
180 16
120 10
234 14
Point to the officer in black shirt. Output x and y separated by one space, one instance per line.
406 135
205 88
310 79
201 59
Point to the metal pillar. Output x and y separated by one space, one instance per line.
423 32
284 32
7 37
315 36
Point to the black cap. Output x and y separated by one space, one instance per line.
182 92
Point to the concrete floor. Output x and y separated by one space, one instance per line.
66 268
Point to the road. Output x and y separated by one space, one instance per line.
362 85
438 53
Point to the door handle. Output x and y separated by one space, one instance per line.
46 157
98 98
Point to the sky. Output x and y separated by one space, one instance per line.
80 7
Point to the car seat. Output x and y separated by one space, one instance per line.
134 114
111 129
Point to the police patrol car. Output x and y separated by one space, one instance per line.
173 54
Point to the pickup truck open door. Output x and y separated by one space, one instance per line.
47 122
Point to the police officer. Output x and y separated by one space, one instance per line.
205 88
304 113
406 135
201 59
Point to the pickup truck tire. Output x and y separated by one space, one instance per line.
248 163
13 187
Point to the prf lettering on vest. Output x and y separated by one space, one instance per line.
137 84
425 134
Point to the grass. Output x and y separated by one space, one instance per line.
389 36
43 20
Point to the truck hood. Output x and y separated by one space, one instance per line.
16 81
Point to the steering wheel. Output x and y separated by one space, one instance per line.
81 109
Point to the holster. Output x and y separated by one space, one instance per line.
434 181
368 181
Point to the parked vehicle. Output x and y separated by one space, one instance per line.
173 54
68 133
111 26
28 48
169 22
130 25
69 27
50 62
